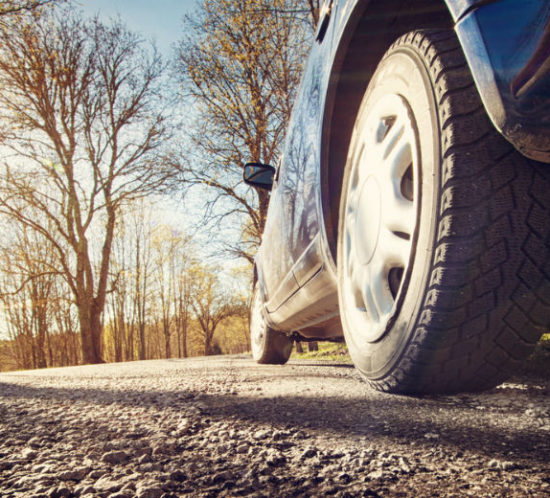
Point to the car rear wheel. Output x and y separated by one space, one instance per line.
269 346
443 243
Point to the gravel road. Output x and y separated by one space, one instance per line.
224 426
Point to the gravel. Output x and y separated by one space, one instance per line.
224 426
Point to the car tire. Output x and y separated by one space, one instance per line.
443 243
269 346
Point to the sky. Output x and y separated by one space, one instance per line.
160 20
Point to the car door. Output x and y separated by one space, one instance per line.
293 216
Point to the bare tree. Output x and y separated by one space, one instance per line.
211 305
240 62
171 251
119 325
314 10
138 237
130 274
27 290
182 318
11 7
82 103
180 279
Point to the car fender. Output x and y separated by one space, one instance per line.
507 46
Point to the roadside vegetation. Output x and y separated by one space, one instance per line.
538 364
327 351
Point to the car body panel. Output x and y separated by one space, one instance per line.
294 214
295 264
507 45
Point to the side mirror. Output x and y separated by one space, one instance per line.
259 175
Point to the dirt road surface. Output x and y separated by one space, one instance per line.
224 426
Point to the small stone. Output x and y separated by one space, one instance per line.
7 465
129 486
242 448
431 435
377 474
107 485
114 457
309 453
61 491
508 466
178 475
275 459
261 434
29 454
500 465
35 442
222 477
84 489
25 482
73 475
150 467
404 465
149 491
278 435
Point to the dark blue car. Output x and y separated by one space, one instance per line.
410 211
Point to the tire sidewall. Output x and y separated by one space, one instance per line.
404 73
272 346
257 346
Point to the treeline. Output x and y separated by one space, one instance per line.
162 301
64 349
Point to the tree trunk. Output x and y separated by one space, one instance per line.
142 354
313 346
166 333
130 342
90 328
207 345
184 338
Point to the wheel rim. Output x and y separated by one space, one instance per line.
257 325
380 216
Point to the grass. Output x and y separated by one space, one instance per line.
538 363
329 351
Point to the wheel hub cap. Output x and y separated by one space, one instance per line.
367 224
380 215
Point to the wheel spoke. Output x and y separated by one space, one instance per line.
397 159
370 304
393 249
379 288
364 162
353 199
393 135
363 292
398 214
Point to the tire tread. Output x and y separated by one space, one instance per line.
488 297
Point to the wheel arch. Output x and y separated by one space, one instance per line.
376 25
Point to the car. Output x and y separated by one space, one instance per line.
409 214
